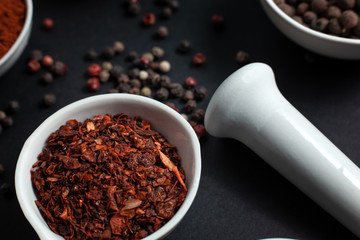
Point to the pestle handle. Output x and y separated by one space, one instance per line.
248 107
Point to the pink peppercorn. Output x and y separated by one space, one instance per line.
190 82
217 20
94 70
93 84
48 23
47 61
148 19
199 130
199 59
34 65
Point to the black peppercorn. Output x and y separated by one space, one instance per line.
49 99
349 19
320 24
36 55
116 71
133 9
318 6
135 83
162 94
108 53
188 95
162 32
124 78
200 92
59 68
113 90
124 88
7 122
91 54
190 106
2 115
13 106
173 4
176 89
165 81
134 90
166 13
184 46
47 77
346 4
134 72
132 55
198 115
287 9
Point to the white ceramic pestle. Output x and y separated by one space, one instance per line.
248 107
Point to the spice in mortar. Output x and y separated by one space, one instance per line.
109 177
12 17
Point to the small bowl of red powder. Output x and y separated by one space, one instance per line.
113 166
15 28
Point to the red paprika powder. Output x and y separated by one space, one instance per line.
12 17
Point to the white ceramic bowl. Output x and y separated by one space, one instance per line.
13 54
321 43
162 118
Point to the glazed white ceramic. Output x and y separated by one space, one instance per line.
249 107
9 59
321 43
162 118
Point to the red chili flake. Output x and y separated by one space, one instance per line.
93 84
199 130
217 20
130 187
190 82
199 59
48 23
94 70
34 65
148 19
47 61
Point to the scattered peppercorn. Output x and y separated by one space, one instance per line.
36 55
124 88
158 52
184 46
190 82
132 55
176 90
199 59
242 57
188 95
47 61
106 66
49 99
164 66
166 13
146 91
149 56
118 47
198 115
199 130
47 78
13 106
162 32
200 92
59 68
94 70
2 115
93 84
7 122
116 71
104 76
217 20
91 54
108 53
190 106
48 23
162 94
148 19
34 65
134 9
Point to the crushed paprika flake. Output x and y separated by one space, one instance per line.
109 177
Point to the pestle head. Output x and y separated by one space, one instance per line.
242 103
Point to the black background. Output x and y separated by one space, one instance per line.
240 196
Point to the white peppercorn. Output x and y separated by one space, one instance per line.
164 66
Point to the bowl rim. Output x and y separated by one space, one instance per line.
165 229
22 35
308 30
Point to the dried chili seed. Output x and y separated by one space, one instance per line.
94 70
93 84
190 82
47 61
148 19
128 189
48 23
13 106
199 59
34 65
217 20
49 99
